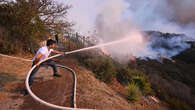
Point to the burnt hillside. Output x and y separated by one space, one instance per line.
173 82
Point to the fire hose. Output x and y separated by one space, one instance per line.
46 103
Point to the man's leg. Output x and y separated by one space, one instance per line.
32 74
31 78
53 65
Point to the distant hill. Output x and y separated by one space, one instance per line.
174 82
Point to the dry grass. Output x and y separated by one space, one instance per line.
91 93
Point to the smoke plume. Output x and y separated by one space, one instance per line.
171 16
119 19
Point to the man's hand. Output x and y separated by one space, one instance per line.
58 52
62 53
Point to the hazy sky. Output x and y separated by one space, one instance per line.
83 13
162 15
118 19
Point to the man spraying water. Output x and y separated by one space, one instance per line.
42 54
45 51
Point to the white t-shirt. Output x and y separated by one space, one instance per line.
45 51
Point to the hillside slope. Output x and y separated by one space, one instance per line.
91 93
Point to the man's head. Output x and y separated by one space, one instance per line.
51 43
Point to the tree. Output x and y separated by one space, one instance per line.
22 22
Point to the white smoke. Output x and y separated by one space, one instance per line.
112 26
116 19
183 11
171 16
163 15
119 19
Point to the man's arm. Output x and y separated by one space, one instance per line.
58 52
37 59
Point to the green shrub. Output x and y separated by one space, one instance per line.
106 70
133 92
143 84
125 74
102 66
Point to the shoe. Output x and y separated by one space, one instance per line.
57 75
